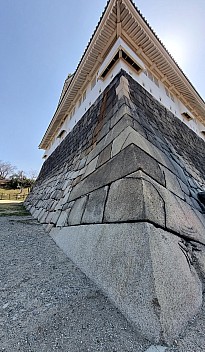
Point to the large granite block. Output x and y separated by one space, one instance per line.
105 155
91 167
77 211
43 217
172 183
142 269
54 217
130 136
124 122
123 110
95 206
181 218
62 219
127 161
134 199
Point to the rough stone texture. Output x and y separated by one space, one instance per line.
134 199
165 125
179 216
62 219
105 155
115 138
95 206
129 159
182 219
91 167
156 349
47 304
172 183
77 211
142 269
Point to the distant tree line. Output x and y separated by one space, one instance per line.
11 178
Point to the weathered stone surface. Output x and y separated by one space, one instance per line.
184 187
178 288
62 219
65 198
104 131
172 183
95 206
32 209
59 205
179 172
77 211
196 204
125 121
54 217
119 142
82 163
49 217
105 155
130 136
43 217
187 144
57 194
36 213
181 218
141 269
123 110
122 89
143 114
139 128
192 183
199 256
91 167
134 199
104 258
67 190
41 214
127 161
201 217
53 205
127 137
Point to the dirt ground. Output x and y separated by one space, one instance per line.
47 304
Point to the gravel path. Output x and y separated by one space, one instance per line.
47 304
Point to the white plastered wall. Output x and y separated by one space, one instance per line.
92 93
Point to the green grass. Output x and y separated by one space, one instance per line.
10 209
13 194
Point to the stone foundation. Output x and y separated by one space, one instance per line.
120 197
142 269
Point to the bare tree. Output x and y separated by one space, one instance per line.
6 169
33 174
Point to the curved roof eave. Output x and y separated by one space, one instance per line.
158 57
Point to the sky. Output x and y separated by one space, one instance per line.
41 41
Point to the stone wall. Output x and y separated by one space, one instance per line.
120 197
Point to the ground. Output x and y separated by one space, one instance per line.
13 194
48 304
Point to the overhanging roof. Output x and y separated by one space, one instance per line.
121 18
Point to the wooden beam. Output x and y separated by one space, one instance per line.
119 22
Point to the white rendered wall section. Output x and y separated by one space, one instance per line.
158 91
